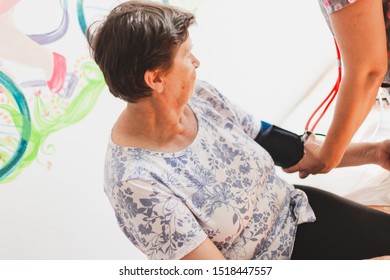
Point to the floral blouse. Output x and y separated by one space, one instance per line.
223 186
330 6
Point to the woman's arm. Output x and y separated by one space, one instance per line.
359 30
205 251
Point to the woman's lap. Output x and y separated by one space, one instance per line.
343 230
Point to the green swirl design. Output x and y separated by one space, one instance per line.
43 125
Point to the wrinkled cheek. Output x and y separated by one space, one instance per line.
193 79
189 84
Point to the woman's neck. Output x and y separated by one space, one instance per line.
156 127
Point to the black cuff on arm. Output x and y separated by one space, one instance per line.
285 147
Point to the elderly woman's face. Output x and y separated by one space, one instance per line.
180 79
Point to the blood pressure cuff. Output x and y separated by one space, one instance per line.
285 147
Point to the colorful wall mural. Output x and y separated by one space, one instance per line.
47 79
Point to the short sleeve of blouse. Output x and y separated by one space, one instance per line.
236 114
330 6
155 221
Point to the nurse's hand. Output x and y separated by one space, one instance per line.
311 162
384 154
356 154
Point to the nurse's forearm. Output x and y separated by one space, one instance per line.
356 97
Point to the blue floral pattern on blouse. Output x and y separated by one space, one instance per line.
223 186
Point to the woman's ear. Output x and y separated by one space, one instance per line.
154 79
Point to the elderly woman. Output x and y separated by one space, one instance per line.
184 171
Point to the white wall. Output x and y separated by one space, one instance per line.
265 55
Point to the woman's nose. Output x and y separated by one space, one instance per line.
195 61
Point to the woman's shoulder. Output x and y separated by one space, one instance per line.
207 94
202 90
